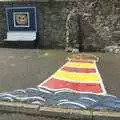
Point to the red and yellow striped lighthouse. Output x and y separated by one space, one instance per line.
79 74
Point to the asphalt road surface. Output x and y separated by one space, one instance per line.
23 68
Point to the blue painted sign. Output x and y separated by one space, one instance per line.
21 19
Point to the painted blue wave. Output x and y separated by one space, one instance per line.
65 99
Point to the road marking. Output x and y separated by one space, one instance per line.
80 65
79 70
57 84
81 77
71 76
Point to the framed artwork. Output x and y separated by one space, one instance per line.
21 19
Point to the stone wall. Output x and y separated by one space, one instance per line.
89 25
99 23
54 25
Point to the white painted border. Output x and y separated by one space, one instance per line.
70 90
14 16
7 19
35 18
21 8
101 81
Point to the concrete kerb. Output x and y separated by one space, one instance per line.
36 110
66 113
19 108
106 115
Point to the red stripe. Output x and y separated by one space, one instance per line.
82 61
79 70
80 87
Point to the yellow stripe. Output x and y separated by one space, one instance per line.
80 65
82 77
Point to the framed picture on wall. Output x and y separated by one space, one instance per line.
21 19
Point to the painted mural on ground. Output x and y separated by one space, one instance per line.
77 84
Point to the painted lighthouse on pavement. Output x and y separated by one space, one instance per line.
79 74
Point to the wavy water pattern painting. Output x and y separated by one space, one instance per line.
66 99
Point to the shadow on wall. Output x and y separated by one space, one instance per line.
82 35
91 40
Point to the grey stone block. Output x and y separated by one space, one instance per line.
97 115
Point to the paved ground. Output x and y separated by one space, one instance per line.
27 68
21 68
109 67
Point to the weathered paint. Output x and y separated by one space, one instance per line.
82 77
